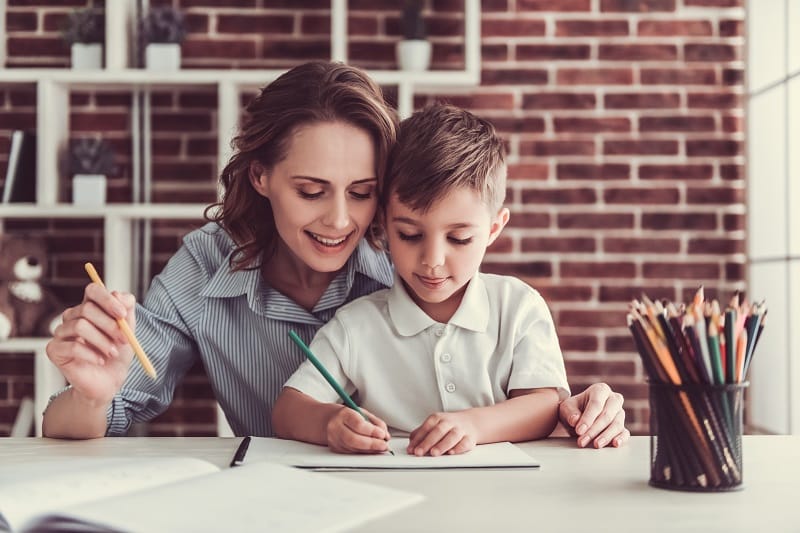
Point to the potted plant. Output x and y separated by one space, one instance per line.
163 29
91 160
84 30
414 51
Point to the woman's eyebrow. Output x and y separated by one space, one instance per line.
327 182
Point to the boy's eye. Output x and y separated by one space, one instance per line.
407 237
460 242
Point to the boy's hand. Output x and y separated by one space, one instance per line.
443 433
348 432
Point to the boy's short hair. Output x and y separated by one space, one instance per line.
441 148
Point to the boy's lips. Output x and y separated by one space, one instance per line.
431 283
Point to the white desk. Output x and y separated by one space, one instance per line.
575 490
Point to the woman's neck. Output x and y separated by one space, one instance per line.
290 276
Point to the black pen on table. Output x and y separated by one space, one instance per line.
348 401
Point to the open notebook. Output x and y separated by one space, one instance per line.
300 454
183 494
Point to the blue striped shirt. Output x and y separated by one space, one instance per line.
235 324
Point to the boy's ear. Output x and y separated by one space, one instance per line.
258 178
499 222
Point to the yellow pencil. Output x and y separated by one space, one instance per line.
126 329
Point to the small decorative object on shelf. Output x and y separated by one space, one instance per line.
84 31
91 160
163 30
414 51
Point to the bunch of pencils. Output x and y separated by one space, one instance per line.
696 358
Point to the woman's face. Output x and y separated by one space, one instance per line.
323 194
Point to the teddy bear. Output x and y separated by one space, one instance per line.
27 308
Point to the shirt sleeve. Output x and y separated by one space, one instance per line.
166 337
330 348
538 362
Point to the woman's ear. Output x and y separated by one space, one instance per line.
499 222
259 178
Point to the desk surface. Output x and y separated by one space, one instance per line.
574 490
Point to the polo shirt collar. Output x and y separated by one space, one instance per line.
409 319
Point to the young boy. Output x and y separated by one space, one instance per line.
451 355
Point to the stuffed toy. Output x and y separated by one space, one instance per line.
27 309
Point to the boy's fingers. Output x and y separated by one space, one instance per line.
446 443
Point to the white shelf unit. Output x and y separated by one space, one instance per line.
53 87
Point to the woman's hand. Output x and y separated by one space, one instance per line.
596 416
443 433
89 348
348 432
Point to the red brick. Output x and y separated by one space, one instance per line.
18 120
559 244
501 245
552 52
710 52
595 221
168 147
99 121
640 147
586 28
228 3
22 98
266 24
577 343
633 245
713 3
641 100
529 220
676 172
716 246
479 101
606 171
218 48
669 28
609 293
591 125
494 52
677 123
181 122
637 6
518 124
356 26
638 52
733 76
201 147
715 195
549 148
512 28
185 171
513 76
605 318
36 47
731 28
554 5
679 221
314 49
715 100
559 101
732 124
640 195
528 171
535 269
196 23
697 271
713 148
732 172
683 76
491 6
597 76
559 196
20 21
735 271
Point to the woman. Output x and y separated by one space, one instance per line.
292 241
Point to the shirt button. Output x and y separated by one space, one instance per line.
446 358
450 387
439 331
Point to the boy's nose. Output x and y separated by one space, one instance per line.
433 256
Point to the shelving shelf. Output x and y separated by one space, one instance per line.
53 87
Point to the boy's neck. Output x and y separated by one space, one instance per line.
441 312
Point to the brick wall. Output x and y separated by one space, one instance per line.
623 120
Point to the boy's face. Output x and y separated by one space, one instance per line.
438 252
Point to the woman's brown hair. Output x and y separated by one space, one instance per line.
314 92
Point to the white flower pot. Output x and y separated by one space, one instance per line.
414 54
89 190
162 56
86 56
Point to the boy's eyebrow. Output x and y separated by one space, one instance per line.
412 222
326 182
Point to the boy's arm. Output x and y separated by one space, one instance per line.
298 416
527 415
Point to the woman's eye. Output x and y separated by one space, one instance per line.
361 195
460 242
407 237
309 195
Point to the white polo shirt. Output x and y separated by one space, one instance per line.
405 365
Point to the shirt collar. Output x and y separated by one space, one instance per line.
409 319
